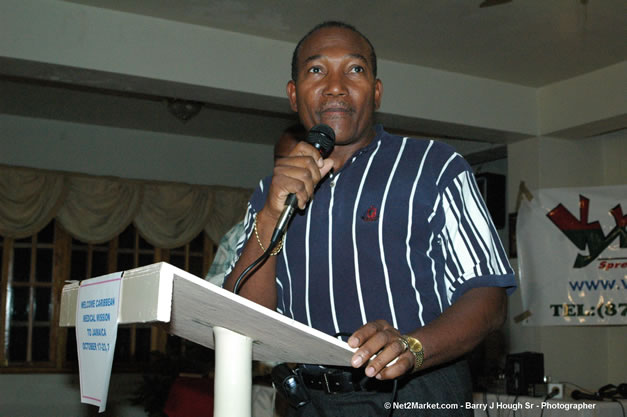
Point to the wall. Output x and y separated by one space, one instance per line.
588 356
127 153
570 108
137 154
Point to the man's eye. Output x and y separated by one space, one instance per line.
357 68
315 70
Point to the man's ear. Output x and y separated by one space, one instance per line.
291 95
378 93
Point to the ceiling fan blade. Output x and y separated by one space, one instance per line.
490 3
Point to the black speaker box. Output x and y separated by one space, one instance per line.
492 189
523 371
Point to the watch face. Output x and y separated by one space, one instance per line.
416 348
414 344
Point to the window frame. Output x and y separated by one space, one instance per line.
63 246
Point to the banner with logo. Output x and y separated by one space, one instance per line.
572 256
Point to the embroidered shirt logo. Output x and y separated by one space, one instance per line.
371 215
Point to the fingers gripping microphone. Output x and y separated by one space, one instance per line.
321 137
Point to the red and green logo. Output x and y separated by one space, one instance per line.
585 235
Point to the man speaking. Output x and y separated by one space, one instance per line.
392 245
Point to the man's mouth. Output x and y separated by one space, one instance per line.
336 108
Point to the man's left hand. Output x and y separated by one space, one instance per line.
380 340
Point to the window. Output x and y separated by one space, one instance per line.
34 271
27 303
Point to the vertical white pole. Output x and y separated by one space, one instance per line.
233 374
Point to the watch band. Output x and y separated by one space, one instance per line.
415 347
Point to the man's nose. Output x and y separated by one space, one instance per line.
336 85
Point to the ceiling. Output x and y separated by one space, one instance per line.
526 42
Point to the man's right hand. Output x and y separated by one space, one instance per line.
298 174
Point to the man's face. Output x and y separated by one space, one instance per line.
336 85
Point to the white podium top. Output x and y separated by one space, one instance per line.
192 306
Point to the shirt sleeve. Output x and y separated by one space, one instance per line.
474 255
226 255
256 203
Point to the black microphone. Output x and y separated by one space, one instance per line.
321 137
578 395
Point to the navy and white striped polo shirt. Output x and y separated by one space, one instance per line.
397 234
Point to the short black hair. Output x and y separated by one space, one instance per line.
331 24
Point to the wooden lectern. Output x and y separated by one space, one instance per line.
238 329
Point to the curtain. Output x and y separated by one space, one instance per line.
96 209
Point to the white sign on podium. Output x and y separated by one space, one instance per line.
97 307
211 316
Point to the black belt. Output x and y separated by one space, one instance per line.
330 380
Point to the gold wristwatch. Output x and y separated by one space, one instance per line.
415 347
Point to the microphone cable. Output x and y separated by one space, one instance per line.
244 275
549 396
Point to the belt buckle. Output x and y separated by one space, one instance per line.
332 385
327 387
